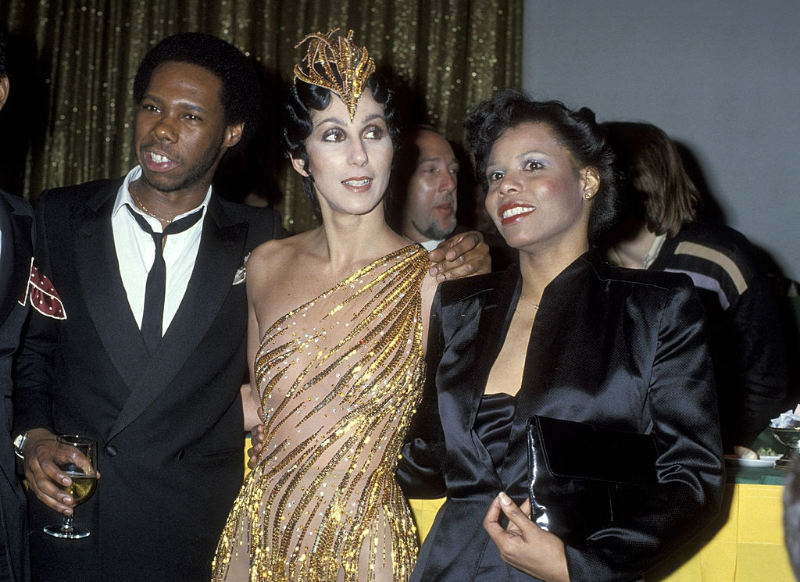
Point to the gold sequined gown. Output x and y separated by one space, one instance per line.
339 379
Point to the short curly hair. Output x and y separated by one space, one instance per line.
241 88
304 98
577 131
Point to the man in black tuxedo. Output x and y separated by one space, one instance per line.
163 403
16 251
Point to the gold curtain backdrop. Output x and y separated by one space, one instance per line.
70 114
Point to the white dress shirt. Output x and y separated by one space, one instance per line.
136 252
429 245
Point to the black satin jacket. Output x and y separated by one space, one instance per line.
611 347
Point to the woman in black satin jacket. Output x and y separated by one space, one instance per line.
563 335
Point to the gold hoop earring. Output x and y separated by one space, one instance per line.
587 196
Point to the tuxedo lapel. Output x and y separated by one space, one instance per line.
474 322
495 320
560 306
101 283
220 254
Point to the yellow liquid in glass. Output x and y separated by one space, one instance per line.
82 486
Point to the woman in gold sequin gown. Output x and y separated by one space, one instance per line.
336 346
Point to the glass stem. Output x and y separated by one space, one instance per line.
66 524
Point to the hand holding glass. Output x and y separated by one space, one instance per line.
77 457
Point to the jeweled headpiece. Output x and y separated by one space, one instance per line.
336 64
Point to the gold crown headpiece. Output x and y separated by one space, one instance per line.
337 65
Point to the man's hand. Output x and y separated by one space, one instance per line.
44 477
257 442
524 545
251 407
460 256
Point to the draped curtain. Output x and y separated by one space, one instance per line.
70 114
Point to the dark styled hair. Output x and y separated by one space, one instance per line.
576 131
655 187
305 98
241 89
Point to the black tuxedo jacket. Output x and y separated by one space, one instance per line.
610 347
169 427
16 225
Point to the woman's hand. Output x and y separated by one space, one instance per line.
524 545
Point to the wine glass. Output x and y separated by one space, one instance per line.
77 457
791 438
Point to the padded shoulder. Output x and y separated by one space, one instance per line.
263 223
82 192
607 272
460 289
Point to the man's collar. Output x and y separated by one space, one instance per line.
429 245
655 248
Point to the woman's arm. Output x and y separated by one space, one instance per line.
249 392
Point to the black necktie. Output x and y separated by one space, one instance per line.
157 277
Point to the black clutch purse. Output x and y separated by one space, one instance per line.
581 477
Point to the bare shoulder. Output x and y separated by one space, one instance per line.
267 255
277 255
276 270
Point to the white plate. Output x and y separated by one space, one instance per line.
768 462
771 458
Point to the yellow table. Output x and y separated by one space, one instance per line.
744 544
